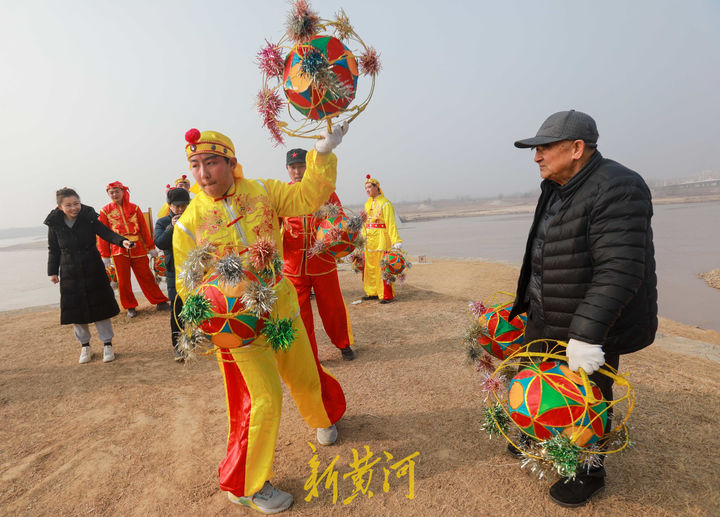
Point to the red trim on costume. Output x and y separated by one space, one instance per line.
375 225
231 471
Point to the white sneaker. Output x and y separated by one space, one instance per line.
327 435
85 354
108 354
267 500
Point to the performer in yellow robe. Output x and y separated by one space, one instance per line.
380 232
231 213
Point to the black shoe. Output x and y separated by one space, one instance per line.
386 301
576 492
347 353
132 313
178 355
369 297
163 306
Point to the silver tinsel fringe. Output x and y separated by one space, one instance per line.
259 298
230 270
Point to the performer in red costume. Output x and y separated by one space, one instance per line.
314 273
125 218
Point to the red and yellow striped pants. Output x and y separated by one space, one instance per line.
254 398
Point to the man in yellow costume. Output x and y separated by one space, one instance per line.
232 213
380 232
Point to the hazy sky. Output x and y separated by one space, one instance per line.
94 91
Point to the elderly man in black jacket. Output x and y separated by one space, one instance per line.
588 275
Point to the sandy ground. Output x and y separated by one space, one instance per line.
712 278
144 435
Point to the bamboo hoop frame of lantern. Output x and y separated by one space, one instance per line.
563 452
303 26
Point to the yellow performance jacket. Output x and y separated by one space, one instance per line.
251 210
380 230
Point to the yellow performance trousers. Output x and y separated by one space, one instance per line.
254 398
372 277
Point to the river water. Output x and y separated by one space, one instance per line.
686 236
687 242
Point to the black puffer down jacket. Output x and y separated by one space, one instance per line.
85 292
598 262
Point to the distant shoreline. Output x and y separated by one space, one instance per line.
516 208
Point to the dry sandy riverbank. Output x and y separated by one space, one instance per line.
144 435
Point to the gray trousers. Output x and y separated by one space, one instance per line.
104 329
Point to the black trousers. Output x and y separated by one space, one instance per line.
175 321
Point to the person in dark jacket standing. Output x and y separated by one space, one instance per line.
177 201
588 274
75 263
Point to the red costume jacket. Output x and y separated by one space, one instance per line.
130 223
298 237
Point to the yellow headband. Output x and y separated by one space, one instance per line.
375 182
208 142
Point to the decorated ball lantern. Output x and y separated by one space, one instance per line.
499 336
159 265
320 77
333 231
230 325
111 273
393 262
549 399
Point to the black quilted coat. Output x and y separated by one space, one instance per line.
598 264
85 292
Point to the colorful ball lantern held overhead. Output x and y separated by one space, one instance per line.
320 77
313 71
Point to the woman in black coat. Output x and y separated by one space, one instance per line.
74 262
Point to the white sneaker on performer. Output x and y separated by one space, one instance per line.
85 354
267 500
108 354
327 435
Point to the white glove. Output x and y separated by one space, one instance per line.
397 246
331 140
106 261
584 355
153 253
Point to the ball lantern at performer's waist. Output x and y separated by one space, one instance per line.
548 399
333 231
231 324
323 57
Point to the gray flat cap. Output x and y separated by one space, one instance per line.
564 125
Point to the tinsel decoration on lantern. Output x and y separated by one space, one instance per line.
316 64
159 267
393 265
566 423
337 234
232 298
356 259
